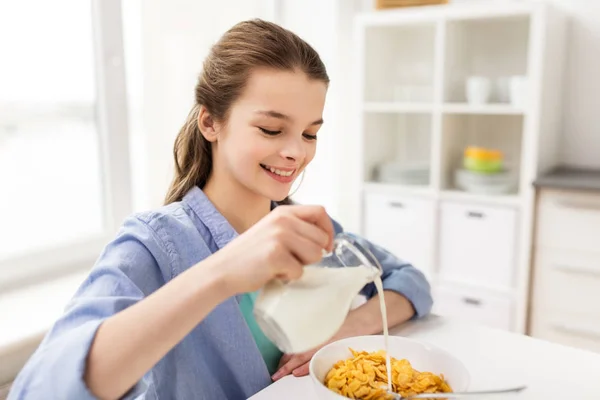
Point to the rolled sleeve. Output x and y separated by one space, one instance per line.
64 361
57 368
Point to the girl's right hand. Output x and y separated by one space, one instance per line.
278 246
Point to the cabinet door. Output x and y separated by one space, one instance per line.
473 306
567 282
569 221
402 225
477 244
567 329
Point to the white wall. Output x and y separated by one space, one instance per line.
176 35
581 128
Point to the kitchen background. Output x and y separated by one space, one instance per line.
464 138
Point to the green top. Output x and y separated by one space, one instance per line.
270 353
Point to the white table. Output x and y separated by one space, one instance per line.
494 358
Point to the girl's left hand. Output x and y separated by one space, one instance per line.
296 364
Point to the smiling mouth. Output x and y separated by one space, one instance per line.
278 171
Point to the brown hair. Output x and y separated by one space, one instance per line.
247 45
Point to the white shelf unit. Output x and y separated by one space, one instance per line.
411 69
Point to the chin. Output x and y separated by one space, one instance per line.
279 197
275 195
272 191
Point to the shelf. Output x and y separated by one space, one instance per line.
451 11
500 132
510 200
495 49
391 107
507 200
397 140
398 63
489 109
393 188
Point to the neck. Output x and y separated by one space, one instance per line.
240 207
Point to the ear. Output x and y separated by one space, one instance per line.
208 126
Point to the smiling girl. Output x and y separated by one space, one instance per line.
166 312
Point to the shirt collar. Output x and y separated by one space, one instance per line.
220 229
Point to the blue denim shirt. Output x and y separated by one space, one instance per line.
219 358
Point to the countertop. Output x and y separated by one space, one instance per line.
494 358
570 178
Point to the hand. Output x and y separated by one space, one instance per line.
278 246
296 364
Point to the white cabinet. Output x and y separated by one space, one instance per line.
414 122
566 269
567 282
477 244
569 220
567 329
403 225
473 305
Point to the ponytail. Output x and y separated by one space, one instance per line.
193 159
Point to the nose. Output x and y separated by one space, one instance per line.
294 148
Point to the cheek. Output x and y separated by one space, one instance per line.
246 155
311 151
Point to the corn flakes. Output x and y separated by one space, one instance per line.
364 377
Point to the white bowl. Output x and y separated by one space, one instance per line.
422 356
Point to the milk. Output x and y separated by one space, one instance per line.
383 309
303 314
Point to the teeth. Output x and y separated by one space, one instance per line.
280 172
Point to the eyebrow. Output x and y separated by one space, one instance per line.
278 115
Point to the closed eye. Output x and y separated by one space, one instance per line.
268 132
310 137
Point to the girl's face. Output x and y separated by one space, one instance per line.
271 132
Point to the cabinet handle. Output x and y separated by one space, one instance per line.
475 214
396 204
576 270
580 206
471 301
577 331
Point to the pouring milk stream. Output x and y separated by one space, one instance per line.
300 315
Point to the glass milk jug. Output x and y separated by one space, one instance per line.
302 314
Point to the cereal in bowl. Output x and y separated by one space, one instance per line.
364 376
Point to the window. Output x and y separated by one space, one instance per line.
64 154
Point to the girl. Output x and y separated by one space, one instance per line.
166 312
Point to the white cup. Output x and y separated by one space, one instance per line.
478 90
503 89
519 91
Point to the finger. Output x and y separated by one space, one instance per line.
305 251
284 359
288 267
296 361
311 232
301 370
317 216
